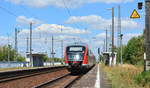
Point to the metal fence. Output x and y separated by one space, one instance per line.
13 64
50 63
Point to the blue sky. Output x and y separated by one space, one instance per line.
73 16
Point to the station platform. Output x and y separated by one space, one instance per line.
95 78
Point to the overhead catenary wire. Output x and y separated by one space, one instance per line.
7 11
35 16
66 8
32 14
68 11
15 15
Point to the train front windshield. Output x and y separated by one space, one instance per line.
75 53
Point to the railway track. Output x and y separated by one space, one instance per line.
13 75
30 78
64 81
57 77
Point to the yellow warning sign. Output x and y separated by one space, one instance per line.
135 14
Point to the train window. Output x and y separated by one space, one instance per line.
75 49
75 56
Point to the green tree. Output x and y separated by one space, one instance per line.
7 53
134 50
45 58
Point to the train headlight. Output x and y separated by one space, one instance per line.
78 57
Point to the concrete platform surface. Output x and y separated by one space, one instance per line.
93 79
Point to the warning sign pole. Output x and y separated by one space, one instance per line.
147 33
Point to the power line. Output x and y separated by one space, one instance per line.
68 11
13 14
66 8
9 12
29 12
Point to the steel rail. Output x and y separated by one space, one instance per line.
56 81
14 75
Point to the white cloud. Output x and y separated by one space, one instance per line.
43 33
6 40
25 20
54 28
66 37
97 22
128 36
62 3
101 35
49 28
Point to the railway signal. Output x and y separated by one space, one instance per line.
98 50
140 4
147 33
121 35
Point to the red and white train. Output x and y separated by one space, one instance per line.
79 58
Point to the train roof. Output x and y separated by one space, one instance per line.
77 44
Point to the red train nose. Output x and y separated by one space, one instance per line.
75 63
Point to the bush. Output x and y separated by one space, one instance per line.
133 53
143 78
45 58
20 59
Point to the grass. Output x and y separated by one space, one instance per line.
143 79
124 76
16 68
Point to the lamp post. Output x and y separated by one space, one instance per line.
16 43
8 57
106 41
113 21
31 59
